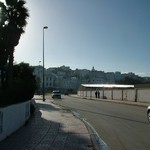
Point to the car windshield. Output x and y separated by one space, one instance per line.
56 92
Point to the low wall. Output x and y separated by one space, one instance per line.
13 117
134 95
143 95
129 95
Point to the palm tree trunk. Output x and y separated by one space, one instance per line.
10 68
2 79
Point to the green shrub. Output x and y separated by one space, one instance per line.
24 85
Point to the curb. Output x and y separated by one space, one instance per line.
98 143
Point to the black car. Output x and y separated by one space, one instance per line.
56 94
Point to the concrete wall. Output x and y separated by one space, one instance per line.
107 94
134 95
129 95
117 94
143 95
13 117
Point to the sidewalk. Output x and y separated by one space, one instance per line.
50 128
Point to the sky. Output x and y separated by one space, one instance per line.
109 35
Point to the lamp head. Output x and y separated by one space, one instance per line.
45 27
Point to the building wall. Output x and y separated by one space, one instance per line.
143 95
117 94
93 94
89 93
107 94
129 95
134 95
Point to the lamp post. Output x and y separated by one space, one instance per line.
45 27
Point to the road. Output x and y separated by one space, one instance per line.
122 127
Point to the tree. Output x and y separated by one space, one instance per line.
3 52
38 83
13 16
130 80
24 85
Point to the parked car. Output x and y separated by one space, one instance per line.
56 94
148 113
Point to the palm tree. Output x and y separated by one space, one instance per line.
3 52
16 15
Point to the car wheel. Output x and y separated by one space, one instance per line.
148 115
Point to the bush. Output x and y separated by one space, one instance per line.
24 85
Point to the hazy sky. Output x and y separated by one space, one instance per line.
111 35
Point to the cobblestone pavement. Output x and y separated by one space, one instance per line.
50 128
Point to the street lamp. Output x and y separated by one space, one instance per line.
45 27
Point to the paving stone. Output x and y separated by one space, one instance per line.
58 144
50 129
71 146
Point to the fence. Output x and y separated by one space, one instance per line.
13 117
134 95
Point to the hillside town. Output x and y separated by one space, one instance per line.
66 79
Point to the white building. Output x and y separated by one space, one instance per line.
110 77
49 76
97 77
70 83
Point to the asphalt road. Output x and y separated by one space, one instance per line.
122 127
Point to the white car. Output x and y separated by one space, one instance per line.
56 94
148 113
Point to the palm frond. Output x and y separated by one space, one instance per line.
11 2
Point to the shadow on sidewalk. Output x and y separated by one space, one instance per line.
42 134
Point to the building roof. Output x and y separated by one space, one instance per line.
107 86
